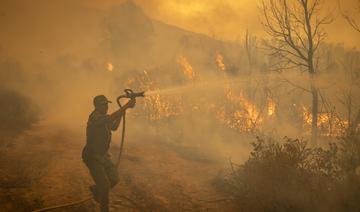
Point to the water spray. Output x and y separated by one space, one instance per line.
205 85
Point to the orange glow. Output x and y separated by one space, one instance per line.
220 61
328 124
191 8
271 106
110 67
240 114
186 67
130 82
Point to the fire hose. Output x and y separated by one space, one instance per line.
129 94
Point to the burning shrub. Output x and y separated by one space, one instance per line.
16 113
289 176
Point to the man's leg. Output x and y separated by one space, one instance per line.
99 175
111 172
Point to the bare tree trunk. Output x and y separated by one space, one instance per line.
353 127
314 121
248 48
310 62
349 106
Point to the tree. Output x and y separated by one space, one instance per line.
296 31
250 46
350 18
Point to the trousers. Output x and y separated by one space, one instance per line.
105 175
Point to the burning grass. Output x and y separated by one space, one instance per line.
231 103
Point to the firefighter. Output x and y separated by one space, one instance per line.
95 153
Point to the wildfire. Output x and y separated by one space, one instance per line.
271 106
236 111
146 74
240 114
328 124
159 107
130 82
251 111
186 67
220 61
110 67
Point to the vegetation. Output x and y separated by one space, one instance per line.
296 31
350 17
290 176
16 114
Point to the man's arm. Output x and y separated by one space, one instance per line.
116 116
115 124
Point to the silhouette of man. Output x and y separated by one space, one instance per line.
95 153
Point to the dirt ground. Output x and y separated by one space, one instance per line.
43 167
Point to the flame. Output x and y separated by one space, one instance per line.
307 117
239 113
220 61
252 114
328 124
271 106
110 67
236 111
146 73
130 82
186 67
159 107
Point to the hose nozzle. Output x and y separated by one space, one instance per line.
130 94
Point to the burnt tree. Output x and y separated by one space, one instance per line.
350 17
296 31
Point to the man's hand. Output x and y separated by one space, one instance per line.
116 116
130 104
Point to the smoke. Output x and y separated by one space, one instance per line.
206 98
229 19
205 95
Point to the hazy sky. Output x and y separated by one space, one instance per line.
42 25
228 19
